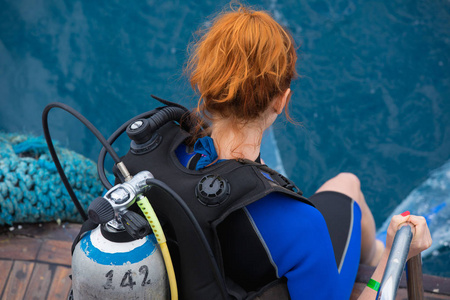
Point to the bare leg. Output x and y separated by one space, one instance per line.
349 184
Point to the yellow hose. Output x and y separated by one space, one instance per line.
152 219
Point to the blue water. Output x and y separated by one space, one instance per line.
431 199
373 97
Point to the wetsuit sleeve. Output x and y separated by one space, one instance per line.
297 238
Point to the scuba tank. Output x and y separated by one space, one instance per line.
119 259
103 268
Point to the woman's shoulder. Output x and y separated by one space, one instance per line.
279 206
297 238
287 224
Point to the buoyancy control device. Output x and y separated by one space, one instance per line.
114 251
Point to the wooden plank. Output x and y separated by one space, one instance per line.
18 280
56 252
5 268
61 284
431 296
21 248
414 278
65 232
52 231
435 284
40 281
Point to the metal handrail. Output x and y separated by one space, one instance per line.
395 266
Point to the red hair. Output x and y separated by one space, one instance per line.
243 61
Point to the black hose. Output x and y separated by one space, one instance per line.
55 156
170 103
159 118
165 115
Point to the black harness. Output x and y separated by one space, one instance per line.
233 262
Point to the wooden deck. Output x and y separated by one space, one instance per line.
35 261
35 264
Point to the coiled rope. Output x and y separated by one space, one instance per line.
31 190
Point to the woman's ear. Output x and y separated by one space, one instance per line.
280 102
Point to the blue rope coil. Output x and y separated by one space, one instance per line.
31 190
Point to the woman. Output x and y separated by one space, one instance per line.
242 68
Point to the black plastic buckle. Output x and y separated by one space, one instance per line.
289 184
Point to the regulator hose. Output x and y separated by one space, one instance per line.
52 150
165 115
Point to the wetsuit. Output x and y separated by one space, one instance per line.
317 250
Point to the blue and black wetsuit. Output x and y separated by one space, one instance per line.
316 249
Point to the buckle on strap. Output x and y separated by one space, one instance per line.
277 177
287 183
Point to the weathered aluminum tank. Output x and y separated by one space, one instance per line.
108 265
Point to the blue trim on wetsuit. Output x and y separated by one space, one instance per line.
305 257
350 266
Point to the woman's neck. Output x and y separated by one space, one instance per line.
232 142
